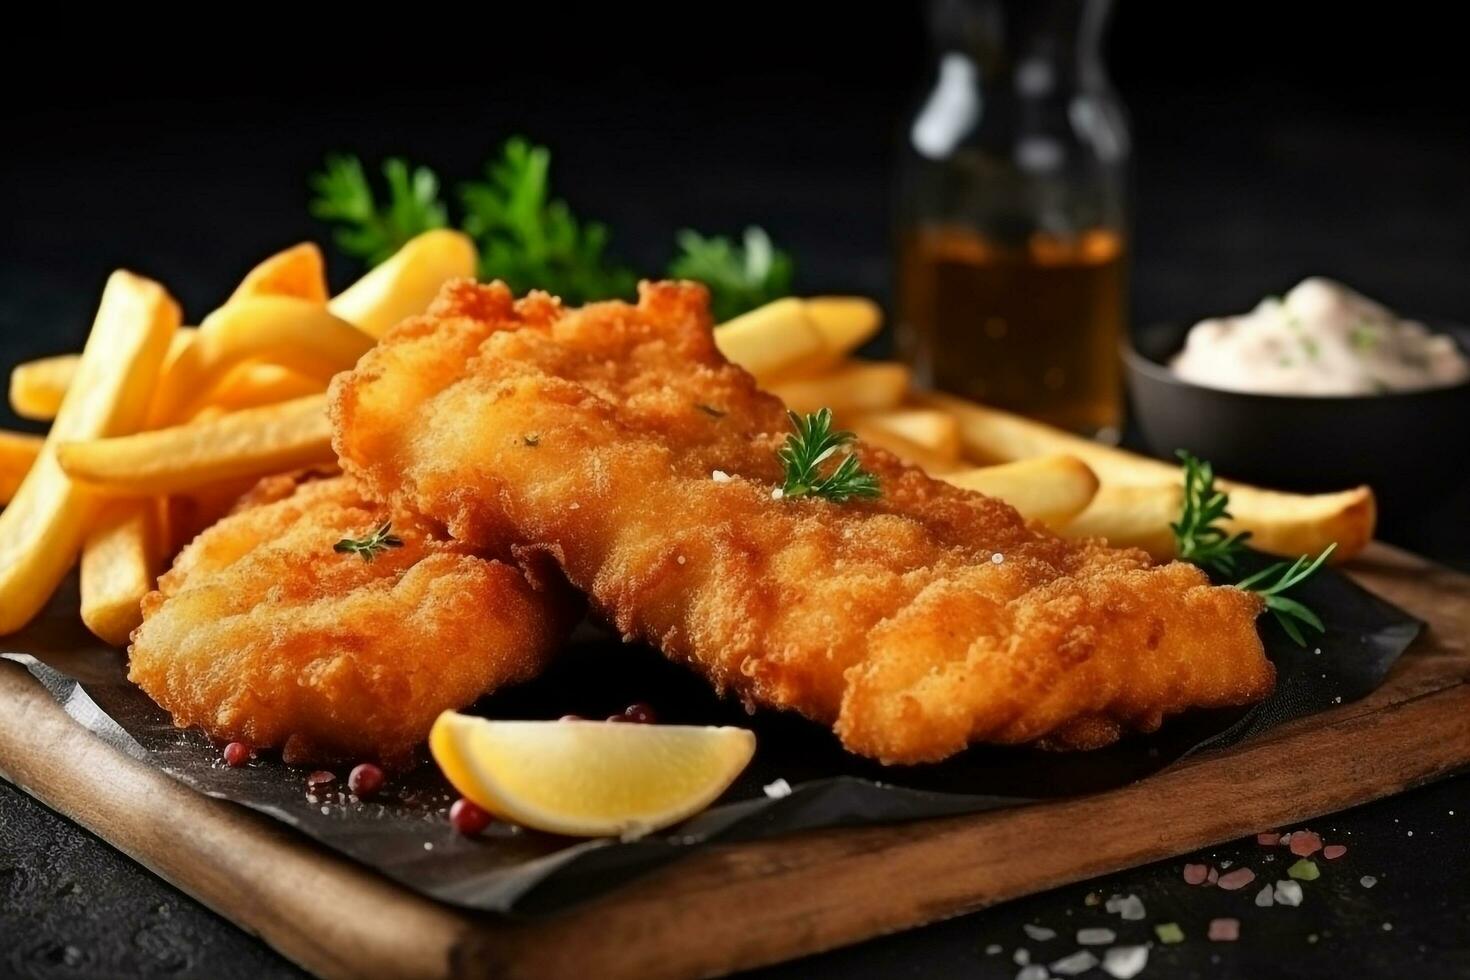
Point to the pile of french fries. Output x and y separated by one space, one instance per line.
801 349
156 427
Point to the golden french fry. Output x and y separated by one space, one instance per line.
407 282
845 322
252 385
119 562
935 430
253 442
18 452
1050 489
851 389
284 330
42 527
935 464
37 387
298 271
772 342
1140 496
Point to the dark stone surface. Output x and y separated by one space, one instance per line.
1270 144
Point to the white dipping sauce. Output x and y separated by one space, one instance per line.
1320 339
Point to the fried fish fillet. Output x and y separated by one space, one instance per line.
262 633
618 440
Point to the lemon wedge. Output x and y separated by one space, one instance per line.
588 778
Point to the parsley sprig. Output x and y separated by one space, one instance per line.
812 444
1201 542
533 241
371 544
739 277
344 195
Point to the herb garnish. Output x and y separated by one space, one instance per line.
808 447
710 410
739 278
371 233
1201 542
369 545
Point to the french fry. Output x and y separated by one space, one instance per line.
43 526
291 332
407 282
18 452
37 387
935 430
1140 496
1050 489
845 322
298 271
773 342
935 464
253 385
853 388
253 442
119 561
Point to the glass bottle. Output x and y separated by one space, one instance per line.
1013 215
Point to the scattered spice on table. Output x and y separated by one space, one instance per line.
1169 933
1237 879
1333 851
1224 930
1304 870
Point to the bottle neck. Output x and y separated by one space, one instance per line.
1031 45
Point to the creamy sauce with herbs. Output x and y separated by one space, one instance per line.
1320 339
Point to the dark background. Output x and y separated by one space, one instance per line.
1271 142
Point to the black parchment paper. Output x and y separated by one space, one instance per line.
405 835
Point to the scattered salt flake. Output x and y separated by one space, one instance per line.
1169 933
1114 904
1225 864
574 506
1288 893
1195 874
1286 837
1039 933
1021 956
1305 843
1212 877
1092 899
997 558
1224 930
680 559
778 789
1367 881
326 810
720 476
1130 908
777 493
1388 927
1333 851
1125 962
1096 937
1311 937
1079 962
1237 879
993 949
1304 870
428 845
1033 972
1263 897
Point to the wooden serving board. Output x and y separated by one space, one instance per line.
739 906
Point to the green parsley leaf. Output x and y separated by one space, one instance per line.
812 444
369 545
531 241
739 277
344 196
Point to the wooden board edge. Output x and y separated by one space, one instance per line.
261 876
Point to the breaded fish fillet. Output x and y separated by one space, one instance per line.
618 440
262 633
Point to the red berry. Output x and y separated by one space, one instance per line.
642 713
468 818
237 754
319 779
365 780
618 717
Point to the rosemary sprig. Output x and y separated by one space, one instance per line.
1201 542
369 545
812 444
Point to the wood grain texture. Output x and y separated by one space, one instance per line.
730 908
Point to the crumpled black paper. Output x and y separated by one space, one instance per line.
404 833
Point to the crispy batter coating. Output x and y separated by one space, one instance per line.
262 633
915 624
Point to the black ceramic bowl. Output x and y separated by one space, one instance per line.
1413 447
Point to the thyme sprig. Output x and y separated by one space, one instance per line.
371 544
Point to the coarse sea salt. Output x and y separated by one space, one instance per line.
1288 893
1095 937
1039 933
778 789
1367 881
1264 897
1130 907
993 949
1125 962
720 476
1079 962
1034 971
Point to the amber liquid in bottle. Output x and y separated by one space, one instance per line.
1031 327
